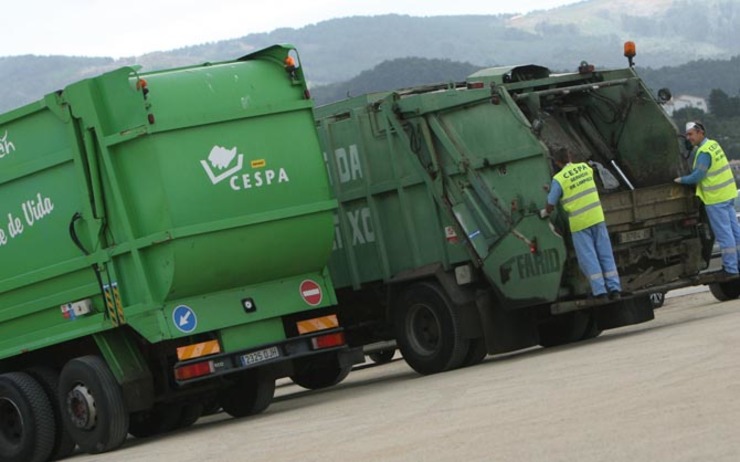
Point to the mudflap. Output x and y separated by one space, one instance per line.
633 310
505 330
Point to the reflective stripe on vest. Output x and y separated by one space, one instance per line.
580 196
719 183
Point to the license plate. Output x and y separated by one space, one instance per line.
632 236
260 356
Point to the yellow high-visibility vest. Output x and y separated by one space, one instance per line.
580 197
719 183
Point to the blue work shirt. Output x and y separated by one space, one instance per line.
556 192
703 162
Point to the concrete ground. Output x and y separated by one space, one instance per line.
667 390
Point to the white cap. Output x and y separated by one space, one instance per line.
690 125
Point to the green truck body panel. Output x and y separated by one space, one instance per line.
457 173
181 187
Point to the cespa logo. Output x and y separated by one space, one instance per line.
221 166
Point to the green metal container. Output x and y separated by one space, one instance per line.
164 244
200 187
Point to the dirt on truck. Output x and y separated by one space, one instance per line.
438 241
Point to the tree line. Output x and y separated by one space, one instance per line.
722 121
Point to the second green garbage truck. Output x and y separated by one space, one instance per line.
164 243
439 244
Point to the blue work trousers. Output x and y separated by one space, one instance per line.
723 220
596 259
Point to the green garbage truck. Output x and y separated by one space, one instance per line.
439 244
164 245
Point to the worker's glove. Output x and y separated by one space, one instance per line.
544 213
677 180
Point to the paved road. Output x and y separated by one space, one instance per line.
668 390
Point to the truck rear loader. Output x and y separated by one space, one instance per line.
439 243
164 243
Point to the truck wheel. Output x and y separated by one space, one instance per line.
428 330
657 299
382 356
191 412
211 405
724 291
26 419
476 352
564 328
315 374
161 418
592 330
251 394
48 378
93 412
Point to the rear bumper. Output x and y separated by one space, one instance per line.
582 304
264 355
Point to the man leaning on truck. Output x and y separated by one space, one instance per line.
575 188
716 188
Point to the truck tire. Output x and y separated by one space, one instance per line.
320 373
251 394
592 330
657 299
93 413
724 291
191 412
211 405
476 352
427 329
564 328
48 378
26 420
161 418
382 356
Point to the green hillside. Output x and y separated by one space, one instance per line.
668 33
393 75
715 80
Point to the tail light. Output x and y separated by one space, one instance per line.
328 341
194 370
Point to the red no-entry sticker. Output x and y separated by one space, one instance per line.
311 292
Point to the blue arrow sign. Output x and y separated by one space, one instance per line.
184 318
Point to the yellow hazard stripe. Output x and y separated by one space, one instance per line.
313 325
109 305
119 305
197 350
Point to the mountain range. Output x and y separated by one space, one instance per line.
667 32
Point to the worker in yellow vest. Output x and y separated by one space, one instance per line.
574 187
716 188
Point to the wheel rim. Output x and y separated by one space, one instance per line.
81 407
11 422
423 329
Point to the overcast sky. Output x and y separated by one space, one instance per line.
131 28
